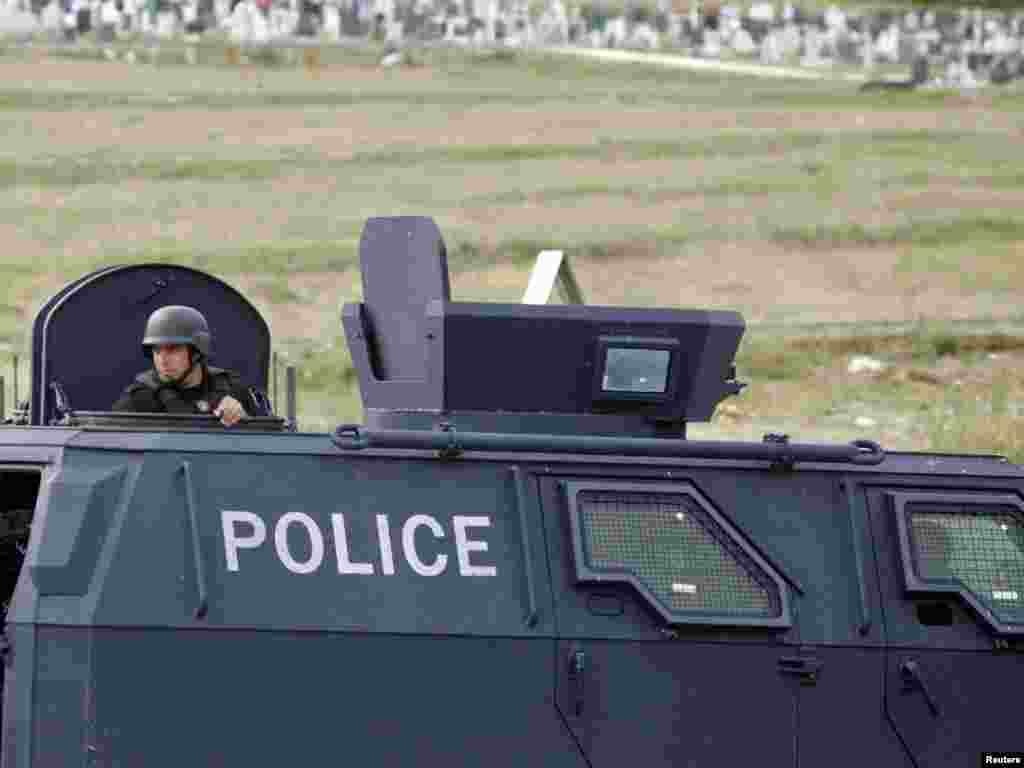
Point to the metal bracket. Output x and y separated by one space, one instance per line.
551 268
62 404
786 461
453 450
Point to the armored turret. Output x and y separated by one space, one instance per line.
424 361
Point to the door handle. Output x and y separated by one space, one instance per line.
577 666
910 670
804 667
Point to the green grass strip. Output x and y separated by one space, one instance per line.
929 233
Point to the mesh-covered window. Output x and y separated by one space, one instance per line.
676 550
981 547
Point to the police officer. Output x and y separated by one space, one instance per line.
177 339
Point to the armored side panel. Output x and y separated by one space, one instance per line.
263 594
671 593
88 338
509 609
404 267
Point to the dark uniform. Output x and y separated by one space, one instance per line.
148 394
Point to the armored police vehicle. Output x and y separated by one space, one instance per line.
518 559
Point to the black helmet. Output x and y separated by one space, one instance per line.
177 325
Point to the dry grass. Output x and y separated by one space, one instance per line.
799 205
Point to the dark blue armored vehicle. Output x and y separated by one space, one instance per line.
517 560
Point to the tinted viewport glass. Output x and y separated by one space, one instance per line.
629 369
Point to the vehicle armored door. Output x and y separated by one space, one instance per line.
671 628
826 544
951 566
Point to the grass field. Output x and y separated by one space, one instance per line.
838 223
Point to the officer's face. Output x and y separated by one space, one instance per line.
171 360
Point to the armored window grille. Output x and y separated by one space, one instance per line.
687 560
971 546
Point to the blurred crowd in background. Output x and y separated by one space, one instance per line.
966 46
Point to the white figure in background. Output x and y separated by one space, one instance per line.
887 46
835 29
928 33
771 47
790 40
166 24
332 22
259 19
146 21
763 12
51 17
281 21
810 46
70 20
712 47
958 71
384 10
110 20
997 40
518 29
221 10
17 21
239 23
728 23
813 45
835 18
742 43
868 46
615 32
489 15
189 12
645 37
130 10
553 24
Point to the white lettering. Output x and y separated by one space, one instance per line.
232 541
246 530
316 540
463 546
387 558
341 550
409 545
